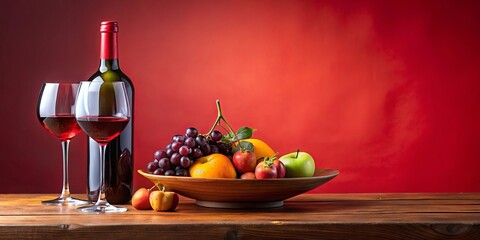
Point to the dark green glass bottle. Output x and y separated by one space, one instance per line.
119 152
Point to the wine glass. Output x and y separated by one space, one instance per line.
56 113
102 111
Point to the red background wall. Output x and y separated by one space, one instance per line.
386 92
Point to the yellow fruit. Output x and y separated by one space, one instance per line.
162 201
213 166
260 148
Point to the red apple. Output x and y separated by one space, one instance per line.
141 199
248 175
265 170
281 170
244 161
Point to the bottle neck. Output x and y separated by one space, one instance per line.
109 46
108 64
109 51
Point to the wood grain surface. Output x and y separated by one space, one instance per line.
308 216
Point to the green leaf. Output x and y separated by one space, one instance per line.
244 133
245 146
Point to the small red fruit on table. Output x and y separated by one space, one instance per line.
141 199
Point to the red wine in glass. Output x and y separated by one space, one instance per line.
103 112
56 113
103 129
62 126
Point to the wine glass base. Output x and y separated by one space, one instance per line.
68 201
101 209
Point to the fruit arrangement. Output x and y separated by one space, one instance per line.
216 155
230 155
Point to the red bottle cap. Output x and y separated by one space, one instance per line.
109 26
108 47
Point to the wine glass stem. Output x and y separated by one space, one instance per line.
66 186
102 200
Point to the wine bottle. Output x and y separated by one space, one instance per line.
119 152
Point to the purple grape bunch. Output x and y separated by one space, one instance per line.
181 153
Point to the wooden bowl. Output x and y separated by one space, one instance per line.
241 193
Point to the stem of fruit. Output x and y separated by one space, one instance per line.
268 161
219 116
298 150
217 123
162 188
224 128
154 186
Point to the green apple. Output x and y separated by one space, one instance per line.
298 164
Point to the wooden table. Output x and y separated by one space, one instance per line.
308 216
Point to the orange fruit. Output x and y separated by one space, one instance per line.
260 148
213 166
